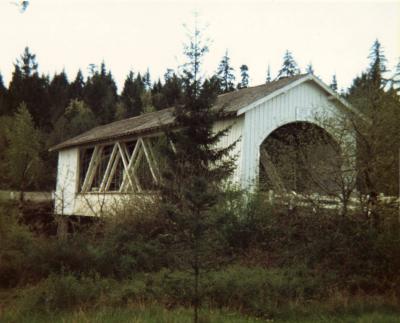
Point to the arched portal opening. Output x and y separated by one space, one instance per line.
300 157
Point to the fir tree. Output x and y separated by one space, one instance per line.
3 97
377 65
172 89
27 86
76 87
268 78
131 95
289 66
147 80
396 78
27 63
100 93
225 75
194 169
58 94
310 69
244 73
334 85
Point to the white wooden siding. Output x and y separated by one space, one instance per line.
67 179
301 103
234 135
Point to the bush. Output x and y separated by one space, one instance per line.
351 248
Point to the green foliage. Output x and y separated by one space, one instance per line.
16 243
131 96
100 94
244 73
225 75
378 137
24 163
77 118
289 66
27 86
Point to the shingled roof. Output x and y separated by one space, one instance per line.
148 123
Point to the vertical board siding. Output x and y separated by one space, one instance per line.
301 103
233 135
67 173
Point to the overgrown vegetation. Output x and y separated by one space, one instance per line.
282 262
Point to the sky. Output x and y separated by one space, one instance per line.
135 35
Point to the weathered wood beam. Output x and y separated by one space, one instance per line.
149 161
94 162
112 173
108 169
125 163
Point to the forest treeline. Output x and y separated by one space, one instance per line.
38 111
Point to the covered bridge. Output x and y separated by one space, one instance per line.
105 165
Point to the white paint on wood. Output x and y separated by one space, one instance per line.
67 179
302 103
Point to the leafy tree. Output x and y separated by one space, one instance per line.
225 75
244 73
289 66
334 85
77 118
100 93
194 169
23 152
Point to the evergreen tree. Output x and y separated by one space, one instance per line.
289 66
77 86
377 65
244 73
100 93
27 86
194 169
378 138
396 78
147 80
268 79
334 85
131 95
172 89
157 97
225 75
27 63
59 94
310 69
3 97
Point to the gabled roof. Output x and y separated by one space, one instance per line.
233 104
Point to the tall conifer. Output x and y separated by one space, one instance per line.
289 66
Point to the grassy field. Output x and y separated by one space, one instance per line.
158 314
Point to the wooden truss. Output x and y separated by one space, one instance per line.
142 153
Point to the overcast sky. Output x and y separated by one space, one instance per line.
71 34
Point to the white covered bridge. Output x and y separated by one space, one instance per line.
108 164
